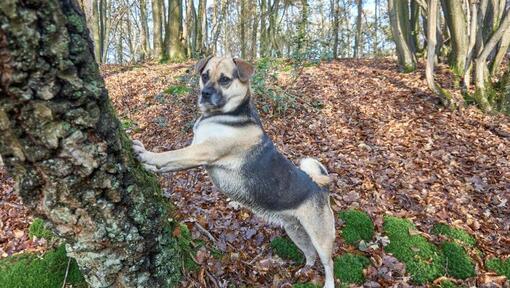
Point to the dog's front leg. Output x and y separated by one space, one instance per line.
181 159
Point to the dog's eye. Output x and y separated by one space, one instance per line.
205 77
224 80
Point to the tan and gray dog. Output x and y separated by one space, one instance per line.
230 142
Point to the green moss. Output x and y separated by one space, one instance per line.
349 268
424 261
358 226
447 284
453 234
185 243
286 249
33 271
458 262
177 90
502 267
408 68
39 230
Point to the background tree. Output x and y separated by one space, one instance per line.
400 27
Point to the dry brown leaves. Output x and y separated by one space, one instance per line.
390 148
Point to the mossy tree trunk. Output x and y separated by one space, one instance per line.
398 11
457 25
72 163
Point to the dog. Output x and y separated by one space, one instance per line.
242 161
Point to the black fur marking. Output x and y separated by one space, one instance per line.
244 111
273 182
323 170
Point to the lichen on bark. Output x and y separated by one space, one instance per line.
72 163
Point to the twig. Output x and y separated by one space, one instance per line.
67 272
11 204
211 277
207 233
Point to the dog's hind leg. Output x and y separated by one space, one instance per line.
319 222
299 236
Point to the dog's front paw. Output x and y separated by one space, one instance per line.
141 153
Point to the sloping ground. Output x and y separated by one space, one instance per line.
390 148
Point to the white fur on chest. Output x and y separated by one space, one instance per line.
207 129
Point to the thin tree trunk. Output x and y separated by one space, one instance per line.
501 52
202 27
118 47
457 25
357 40
302 27
187 33
104 28
376 28
71 160
399 21
254 31
414 26
144 29
157 28
174 46
473 27
481 76
242 25
96 31
445 97
271 30
263 38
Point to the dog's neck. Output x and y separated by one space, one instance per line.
246 109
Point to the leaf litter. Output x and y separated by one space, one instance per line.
389 146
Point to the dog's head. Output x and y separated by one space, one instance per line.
224 83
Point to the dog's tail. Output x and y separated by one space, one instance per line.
315 170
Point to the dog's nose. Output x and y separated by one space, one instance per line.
207 93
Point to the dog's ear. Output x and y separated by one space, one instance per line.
201 64
244 69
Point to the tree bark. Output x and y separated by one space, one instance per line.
201 28
399 20
71 161
481 77
263 38
253 53
457 25
302 27
335 10
502 51
174 47
357 39
96 31
144 30
445 97
157 28
242 25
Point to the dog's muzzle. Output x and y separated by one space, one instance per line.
212 98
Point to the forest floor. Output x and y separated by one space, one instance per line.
390 148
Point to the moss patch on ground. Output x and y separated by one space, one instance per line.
177 90
358 226
447 284
453 234
458 262
38 229
34 271
502 267
286 249
424 261
349 268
